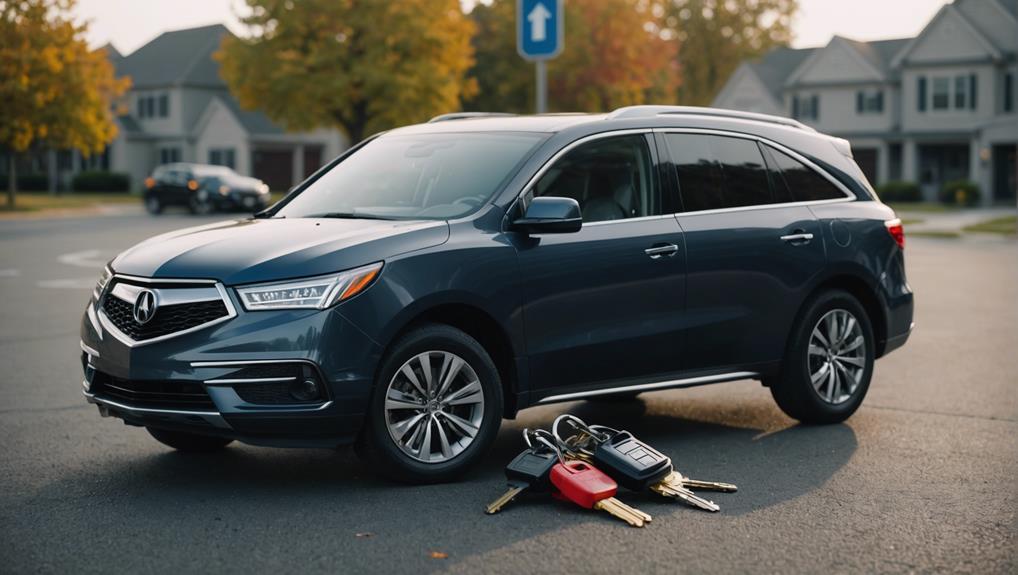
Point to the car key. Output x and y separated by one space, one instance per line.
631 462
588 487
706 485
531 469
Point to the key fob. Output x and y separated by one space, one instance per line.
631 462
533 468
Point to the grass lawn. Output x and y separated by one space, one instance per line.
910 221
933 234
1008 225
37 201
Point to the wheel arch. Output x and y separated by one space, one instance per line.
478 324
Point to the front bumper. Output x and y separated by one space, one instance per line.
220 361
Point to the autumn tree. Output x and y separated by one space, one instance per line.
361 66
53 89
617 53
717 35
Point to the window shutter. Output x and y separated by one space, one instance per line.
1008 92
816 107
859 97
921 104
795 106
973 82
880 101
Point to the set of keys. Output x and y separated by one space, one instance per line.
588 466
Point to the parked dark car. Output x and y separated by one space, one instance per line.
203 189
438 278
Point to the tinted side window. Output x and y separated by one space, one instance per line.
745 176
798 180
699 174
611 179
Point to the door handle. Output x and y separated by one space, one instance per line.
657 252
798 238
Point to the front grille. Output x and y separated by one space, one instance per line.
186 395
168 319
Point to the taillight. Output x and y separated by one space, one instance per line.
897 231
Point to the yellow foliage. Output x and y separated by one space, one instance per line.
362 66
52 86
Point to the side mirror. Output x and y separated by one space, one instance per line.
550 215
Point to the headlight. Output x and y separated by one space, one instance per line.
315 293
224 190
104 278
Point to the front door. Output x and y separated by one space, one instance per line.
603 306
752 251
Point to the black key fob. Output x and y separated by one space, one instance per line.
630 462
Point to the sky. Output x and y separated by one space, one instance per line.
130 23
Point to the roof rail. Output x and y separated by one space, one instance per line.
647 111
467 115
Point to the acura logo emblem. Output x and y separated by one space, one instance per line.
145 306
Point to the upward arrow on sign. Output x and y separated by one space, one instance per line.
538 19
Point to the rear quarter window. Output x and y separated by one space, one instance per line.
718 172
798 181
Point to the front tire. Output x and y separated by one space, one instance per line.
189 442
829 361
153 205
435 409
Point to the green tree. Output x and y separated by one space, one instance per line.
717 35
53 88
358 65
617 53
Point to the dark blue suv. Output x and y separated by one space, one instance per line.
437 278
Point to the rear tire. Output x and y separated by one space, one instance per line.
153 205
200 207
827 367
189 442
394 435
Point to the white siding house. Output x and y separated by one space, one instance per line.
930 109
180 110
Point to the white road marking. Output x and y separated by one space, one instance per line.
72 283
84 259
11 273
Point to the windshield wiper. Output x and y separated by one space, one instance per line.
350 216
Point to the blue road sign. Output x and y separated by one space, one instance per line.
539 25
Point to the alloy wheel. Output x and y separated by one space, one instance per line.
434 406
836 356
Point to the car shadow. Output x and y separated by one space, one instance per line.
274 500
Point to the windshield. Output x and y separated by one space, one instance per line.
423 176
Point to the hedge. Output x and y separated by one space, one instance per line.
900 192
959 193
96 181
27 182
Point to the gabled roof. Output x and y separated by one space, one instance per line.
777 65
948 11
879 53
254 121
177 58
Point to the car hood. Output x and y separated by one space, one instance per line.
256 250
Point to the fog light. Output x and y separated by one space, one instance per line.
304 390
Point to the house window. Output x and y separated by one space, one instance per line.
1009 92
806 107
941 93
169 155
223 157
921 92
869 102
164 105
961 92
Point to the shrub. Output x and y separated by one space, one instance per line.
959 193
900 192
101 182
27 182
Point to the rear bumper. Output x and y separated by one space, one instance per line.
897 341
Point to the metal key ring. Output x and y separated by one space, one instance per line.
608 431
577 423
545 438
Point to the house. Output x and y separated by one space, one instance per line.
180 110
930 109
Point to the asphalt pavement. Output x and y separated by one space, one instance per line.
920 479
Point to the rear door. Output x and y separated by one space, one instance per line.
751 251
604 305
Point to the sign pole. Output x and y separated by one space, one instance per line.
542 86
